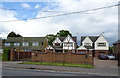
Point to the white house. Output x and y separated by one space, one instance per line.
99 44
64 44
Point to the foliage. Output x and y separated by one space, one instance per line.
5 55
110 49
61 33
59 64
51 38
13 34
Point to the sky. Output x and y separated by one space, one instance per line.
91 23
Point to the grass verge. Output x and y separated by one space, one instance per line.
59 64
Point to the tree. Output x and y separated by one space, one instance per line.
6 55
51 38
63 33
110 49
13 34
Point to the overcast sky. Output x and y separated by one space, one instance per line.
90 23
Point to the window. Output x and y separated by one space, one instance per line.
87 44
35 44
16 44
25 43
7 44
101 44
68 44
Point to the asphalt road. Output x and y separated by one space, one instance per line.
30 72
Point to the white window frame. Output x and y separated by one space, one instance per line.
35 44
87 44
25 44
16 44
98 44
7 44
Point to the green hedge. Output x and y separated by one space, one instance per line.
6 55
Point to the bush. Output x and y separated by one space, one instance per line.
5 55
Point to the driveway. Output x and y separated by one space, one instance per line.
105 64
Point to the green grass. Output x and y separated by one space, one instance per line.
60 64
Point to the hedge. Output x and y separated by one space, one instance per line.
5 55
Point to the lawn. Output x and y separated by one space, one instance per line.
60 64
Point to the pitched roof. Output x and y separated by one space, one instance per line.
93 38
25 39
116 42
74 38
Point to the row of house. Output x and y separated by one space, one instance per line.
98 44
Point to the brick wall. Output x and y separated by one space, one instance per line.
19 55
63 57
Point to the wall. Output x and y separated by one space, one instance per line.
19 55
63 57
101 39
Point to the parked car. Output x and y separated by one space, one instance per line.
111 57
102 57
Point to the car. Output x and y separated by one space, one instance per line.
111 57
102 57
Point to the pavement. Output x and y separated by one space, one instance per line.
101 67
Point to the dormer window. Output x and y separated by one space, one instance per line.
101 44
87 44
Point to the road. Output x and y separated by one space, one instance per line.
30 72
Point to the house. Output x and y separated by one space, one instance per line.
116 47
63 44
26 43
98 44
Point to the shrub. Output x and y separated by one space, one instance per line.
5 55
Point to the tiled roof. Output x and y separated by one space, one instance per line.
93 38
117 42
88 47
74 38
25 39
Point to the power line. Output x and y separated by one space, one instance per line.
67 13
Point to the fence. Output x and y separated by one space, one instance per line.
68 57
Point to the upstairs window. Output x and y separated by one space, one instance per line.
68 44
101 44
87 44
16 44
35 44
7 44
25 44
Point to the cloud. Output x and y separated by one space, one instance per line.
25 5
90 23
37 6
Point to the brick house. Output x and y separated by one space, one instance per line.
98 44
116 47
63 44
26 43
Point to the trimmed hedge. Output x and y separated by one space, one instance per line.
6 55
